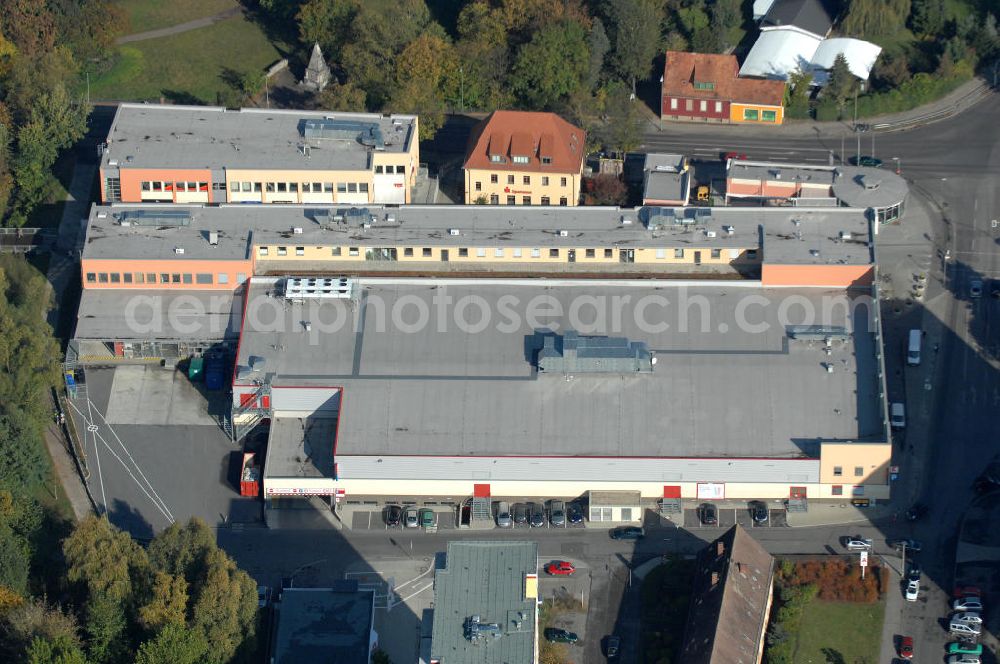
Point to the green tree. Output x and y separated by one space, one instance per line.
635 29
842 84
13 561
797 93
104 559
380 33
725 18
598 44
167 604
55 122
328 23
225 605
174 644
181 550
875 18
622 131
54 651
104 625
552 65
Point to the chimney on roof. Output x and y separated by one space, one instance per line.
715 579
720 548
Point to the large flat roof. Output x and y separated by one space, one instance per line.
167 315
300 447
241 226
444 390
323 626
489 580
167 136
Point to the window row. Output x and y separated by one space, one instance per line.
703 105
752 115
838 471
527 200
293 187
389 169
463 252
517 159
525 179
201 278
160 185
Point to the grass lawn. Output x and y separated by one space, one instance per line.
840 632
154 14
189 67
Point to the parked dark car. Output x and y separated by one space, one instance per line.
917 512
558 635
536 515
393 514
865 160
520 513
708 514
758 511
613 647
627 533
574 513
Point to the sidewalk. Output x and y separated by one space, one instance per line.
962 98
182 27
65 471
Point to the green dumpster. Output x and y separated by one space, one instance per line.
196 369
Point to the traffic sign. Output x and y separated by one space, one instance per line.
864 559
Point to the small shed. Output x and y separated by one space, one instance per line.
615 506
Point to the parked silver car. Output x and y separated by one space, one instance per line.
557 513
504 517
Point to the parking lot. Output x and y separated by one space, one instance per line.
730 516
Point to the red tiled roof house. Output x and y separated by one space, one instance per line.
707 88
524 158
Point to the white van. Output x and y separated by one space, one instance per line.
897 415
959 627
913 348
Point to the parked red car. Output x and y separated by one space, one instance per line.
966 591
560 568
906 647
726 156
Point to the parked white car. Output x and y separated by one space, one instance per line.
968 617
912 590
967 604
963 629
859 544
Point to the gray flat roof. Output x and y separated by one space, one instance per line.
323 626
443 390
666 186
167 136
485 579
862 187
108 315
240 226
300 447
816 174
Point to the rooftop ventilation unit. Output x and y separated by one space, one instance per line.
814 253
729 230
845 235
213 238
709 233
172 218
367 133
319 288
356 216
296 230
563 233
454 231
476 630
626 221
179 250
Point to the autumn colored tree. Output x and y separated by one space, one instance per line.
425 71
167 604
342 97
104 559
174 644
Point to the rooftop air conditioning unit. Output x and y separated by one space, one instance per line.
709 233
814 253
366 225
390 218
178 250
297 230
213 237
729 230
626 221
454 231
845 235
563 233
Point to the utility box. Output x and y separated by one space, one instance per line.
196 369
